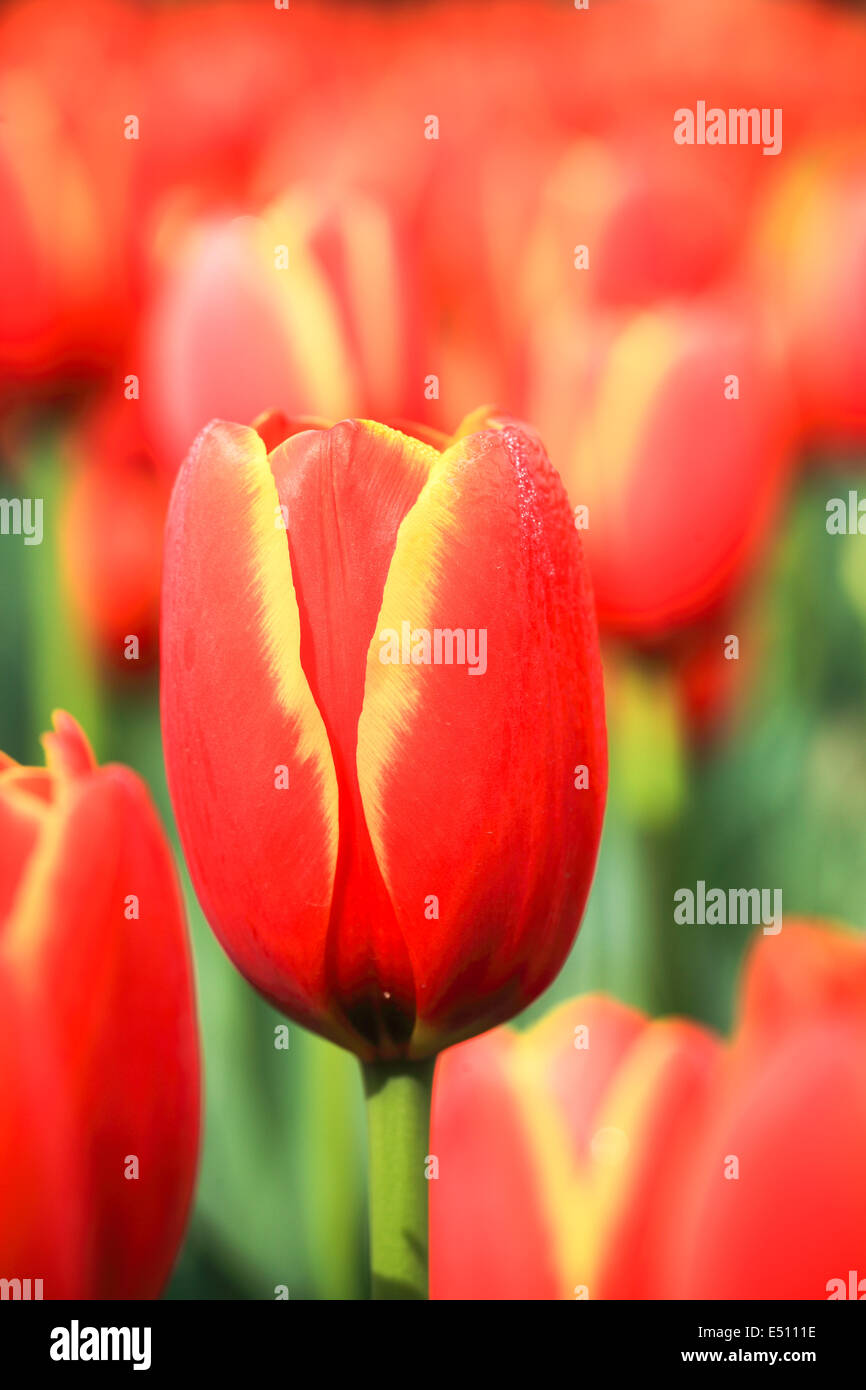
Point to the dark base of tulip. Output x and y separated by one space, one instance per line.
398 1123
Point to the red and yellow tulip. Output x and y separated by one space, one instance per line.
604 1155
99 1115
673 431
308 304
394 847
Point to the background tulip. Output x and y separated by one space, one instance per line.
307 305
683 489
99 1119
654 1161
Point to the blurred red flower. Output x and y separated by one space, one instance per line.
308 305
674 431
603 1155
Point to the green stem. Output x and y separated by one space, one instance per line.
398 1124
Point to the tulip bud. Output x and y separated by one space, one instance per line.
380 677
99 1116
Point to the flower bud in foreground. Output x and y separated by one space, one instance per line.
383 722
99 1112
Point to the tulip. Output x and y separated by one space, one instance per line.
99 1116
308 304
310 704
674 434
604 1155
385 744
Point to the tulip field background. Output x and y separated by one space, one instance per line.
454 258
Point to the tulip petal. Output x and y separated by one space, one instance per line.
345 491
468 781
42 1232
489 1236
67 750
21 817
790 1219
796 977
247 754
622 1089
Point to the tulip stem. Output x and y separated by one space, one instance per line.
398 1127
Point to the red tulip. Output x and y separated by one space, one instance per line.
308 304
791 1107
601 1155
675 431
372 724
99 1115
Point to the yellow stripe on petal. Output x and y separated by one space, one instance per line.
392 692
308 308
280 619
638 363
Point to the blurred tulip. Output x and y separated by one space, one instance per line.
111 534
295 719
564 1126
791 1109
655 222
811 260
99 1117
674 431
306 305
602 1155
65 176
